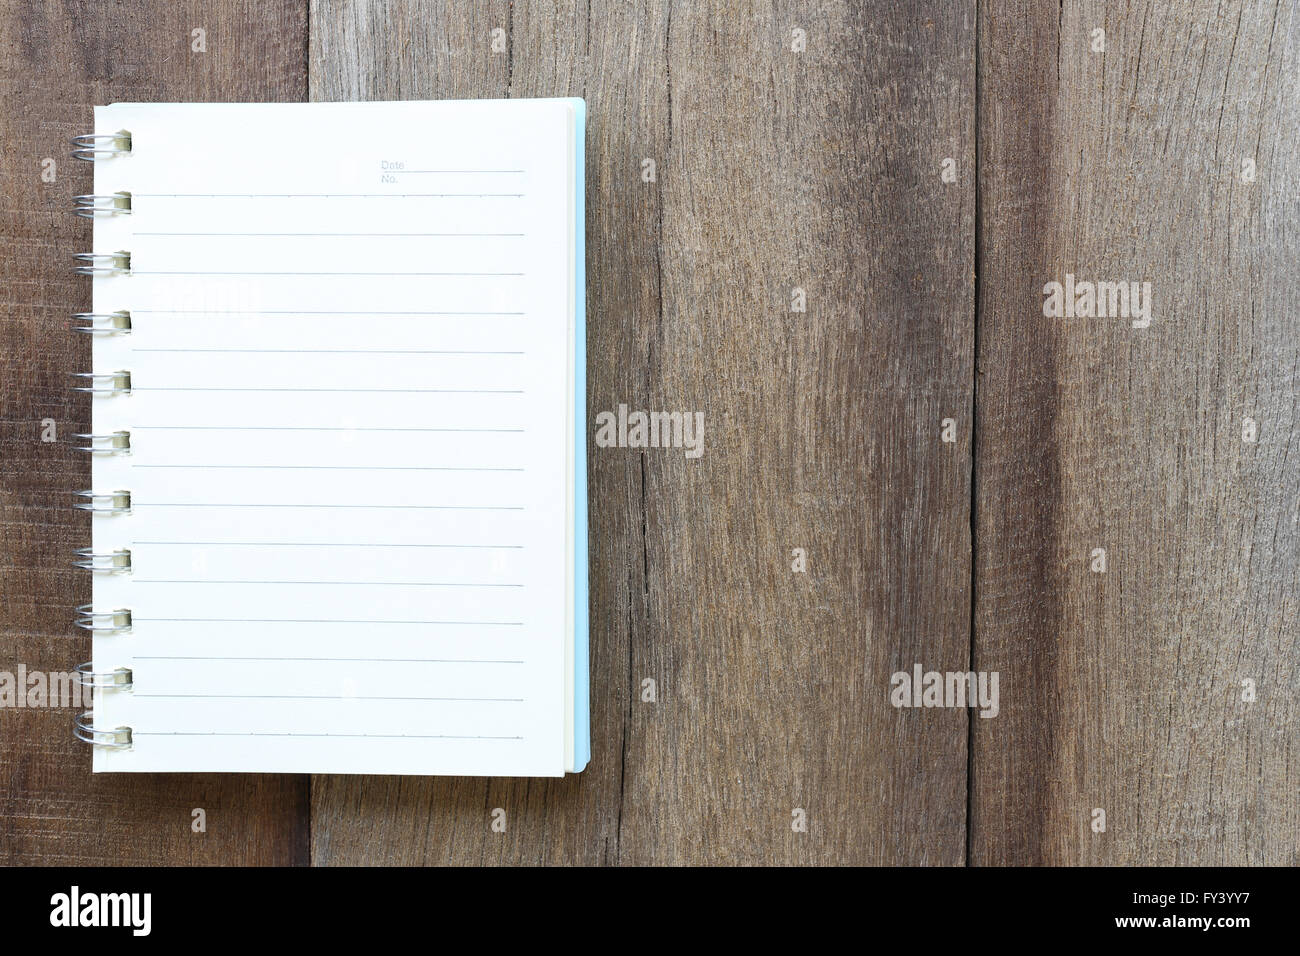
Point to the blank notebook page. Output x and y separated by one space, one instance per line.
351 423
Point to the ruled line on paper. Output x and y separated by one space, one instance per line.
327 195
302 312
320 544
454 700
271 733
335 584
386 275
342 236
337 467
396 391
237 504
308 428
314 620
329 660
339 351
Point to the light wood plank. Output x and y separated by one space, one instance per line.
1123 691
774 169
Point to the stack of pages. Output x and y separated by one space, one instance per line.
339 486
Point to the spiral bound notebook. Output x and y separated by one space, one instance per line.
339 489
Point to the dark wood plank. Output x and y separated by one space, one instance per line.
1122 691
774 169
59 60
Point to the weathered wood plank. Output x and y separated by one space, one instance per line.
1122 691
819 169
59 60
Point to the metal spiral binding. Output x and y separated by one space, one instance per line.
95 146
91 205
109 562
109 323
119 678
103 263
105 383
113 443
118 738
116 621
104 502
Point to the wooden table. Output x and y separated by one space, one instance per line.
920 171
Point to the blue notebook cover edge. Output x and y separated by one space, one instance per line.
581 652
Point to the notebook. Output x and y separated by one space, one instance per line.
338 481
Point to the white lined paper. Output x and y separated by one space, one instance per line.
348 425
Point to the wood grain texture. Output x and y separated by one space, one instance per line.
774 169
1123 691
59 60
